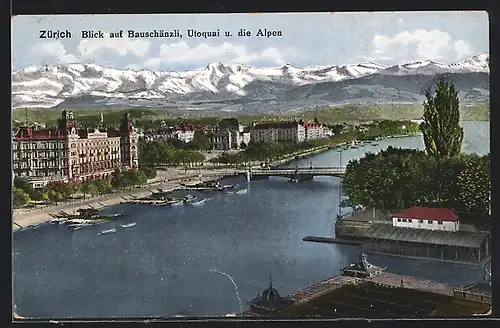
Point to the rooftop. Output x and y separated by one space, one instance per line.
424 236
368 299
381 295
427 213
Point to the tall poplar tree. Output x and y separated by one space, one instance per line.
442 132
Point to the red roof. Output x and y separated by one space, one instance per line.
277 125
312 125
427 213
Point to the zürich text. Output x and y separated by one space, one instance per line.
46 34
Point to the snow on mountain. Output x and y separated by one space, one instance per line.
49 86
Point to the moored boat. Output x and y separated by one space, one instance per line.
104 232
128 225
189 198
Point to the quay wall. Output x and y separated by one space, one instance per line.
354 227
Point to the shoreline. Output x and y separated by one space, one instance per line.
33 218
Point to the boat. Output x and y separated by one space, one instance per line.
189 199
180 202
293 180
241 191
75 227
104 232
198 202
128 225
201 201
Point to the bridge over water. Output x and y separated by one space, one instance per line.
300 173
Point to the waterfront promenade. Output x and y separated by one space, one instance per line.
167 180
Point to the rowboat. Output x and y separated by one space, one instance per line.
104 232
128 225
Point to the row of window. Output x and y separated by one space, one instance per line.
419 221
34 145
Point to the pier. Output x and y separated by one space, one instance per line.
375 232
328 240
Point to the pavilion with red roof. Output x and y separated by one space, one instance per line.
426 218
427 232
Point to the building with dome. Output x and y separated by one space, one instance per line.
367 291
269 302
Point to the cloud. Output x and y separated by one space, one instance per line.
462 49
181 53
416 45
53 51
88 48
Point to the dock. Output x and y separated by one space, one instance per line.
375 232
329 240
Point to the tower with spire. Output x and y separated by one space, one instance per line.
129 143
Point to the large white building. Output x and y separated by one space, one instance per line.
230 134
314 130
427 218
296 131
274 132
226 139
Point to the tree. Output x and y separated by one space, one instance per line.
200 141
149 172
474 186
85 188
23 185
19 197
44 196
442 132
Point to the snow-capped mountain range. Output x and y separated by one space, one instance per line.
233 87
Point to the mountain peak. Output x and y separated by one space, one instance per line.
49 86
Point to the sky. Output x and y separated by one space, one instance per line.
307 39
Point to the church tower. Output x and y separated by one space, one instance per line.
129 143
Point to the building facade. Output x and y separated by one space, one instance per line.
67 153
295 131
231 135
427 218
314 130
274 132
183 133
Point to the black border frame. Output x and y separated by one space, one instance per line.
38 7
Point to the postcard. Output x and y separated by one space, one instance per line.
269 165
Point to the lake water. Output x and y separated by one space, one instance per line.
168 263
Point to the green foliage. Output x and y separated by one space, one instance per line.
19 197
474 183
157 153
442 132
149 172
201 141
395 179
24 186
272 151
